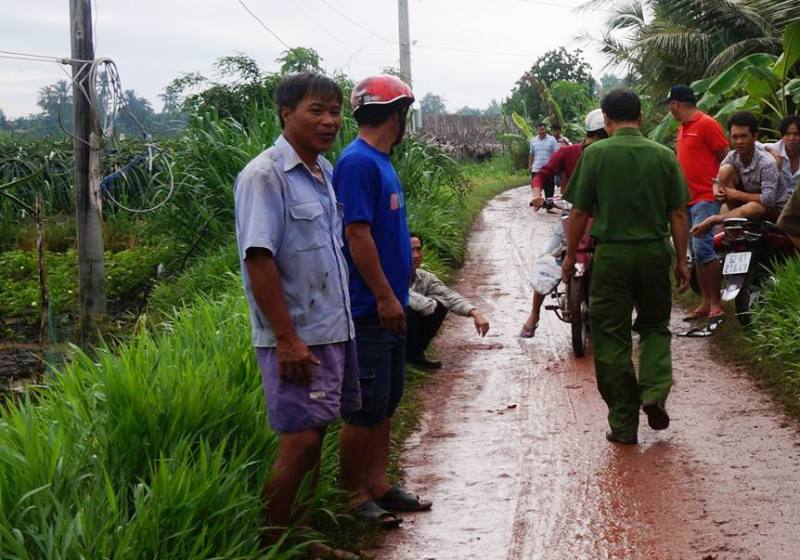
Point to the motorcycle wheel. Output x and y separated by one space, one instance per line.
749 297
576 302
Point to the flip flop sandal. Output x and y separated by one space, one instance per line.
528 332
704 331
373 513
695 316
397 499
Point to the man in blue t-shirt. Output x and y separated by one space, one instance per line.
378 253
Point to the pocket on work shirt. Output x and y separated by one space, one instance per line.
308 229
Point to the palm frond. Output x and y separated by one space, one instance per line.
742 48
688 44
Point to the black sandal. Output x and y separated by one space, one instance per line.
373 513
397 499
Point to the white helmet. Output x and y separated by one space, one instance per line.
594 121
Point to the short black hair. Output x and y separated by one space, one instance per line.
789 121
743 118
599 134
418 236
376 114
294 88
621 105
541 124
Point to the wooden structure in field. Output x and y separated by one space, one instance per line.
466 136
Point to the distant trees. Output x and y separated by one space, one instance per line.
554 66
494 109
432 104
469 111
300 59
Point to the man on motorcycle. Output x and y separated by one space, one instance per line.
636 193
748 181
563 162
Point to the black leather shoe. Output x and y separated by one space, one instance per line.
424 363
620 438
657 416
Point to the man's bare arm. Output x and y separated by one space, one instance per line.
741 196
680 226
367 261
295 360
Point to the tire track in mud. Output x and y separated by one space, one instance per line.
511 445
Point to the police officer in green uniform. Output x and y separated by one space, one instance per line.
634 189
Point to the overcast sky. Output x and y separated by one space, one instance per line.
152 41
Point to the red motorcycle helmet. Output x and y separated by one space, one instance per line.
381 89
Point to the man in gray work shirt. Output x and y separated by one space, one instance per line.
288 229
543 146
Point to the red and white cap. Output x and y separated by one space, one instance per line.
381 89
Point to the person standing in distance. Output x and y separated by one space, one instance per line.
378 253
701 146
542 148
635 191
289 237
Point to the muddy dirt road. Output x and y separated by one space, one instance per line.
511 448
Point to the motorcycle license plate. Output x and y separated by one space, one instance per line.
736 263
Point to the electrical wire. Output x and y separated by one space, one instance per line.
59 59
315 22
170 181
452 48
355 23
264 25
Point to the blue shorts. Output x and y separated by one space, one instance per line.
703 247
381 362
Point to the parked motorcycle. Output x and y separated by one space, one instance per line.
751 249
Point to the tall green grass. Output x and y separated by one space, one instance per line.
776 324
157 451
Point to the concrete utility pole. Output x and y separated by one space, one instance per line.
88 203
405 41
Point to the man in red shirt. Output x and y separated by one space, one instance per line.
563 163
564 160
701 146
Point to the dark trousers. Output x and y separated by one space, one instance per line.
548 186
420 329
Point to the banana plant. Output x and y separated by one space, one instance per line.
764 84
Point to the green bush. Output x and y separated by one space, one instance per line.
129 276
